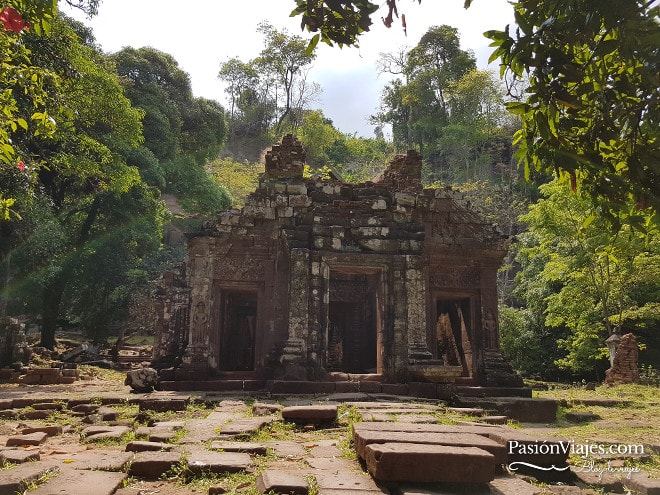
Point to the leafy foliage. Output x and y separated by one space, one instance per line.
593 96
585 279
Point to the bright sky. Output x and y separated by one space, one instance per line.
202 34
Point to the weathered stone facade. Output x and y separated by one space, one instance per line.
318 278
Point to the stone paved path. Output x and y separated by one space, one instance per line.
169 444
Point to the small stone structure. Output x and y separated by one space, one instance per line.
319 279
625 368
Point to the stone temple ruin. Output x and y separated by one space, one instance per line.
323 281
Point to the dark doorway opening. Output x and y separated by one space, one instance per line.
239 319
453 333
352 323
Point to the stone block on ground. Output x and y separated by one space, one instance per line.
243 426
107 413
246 447
310 414
140 446
429 463
204 461
142 380
609 482
290 450
95 433
18 456
272 481
36 438
50 430
82 482
522 409
97 459
16 479
153 464
362 439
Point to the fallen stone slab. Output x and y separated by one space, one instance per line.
362 439
509 485
9 413
96 433
331 464
151 465
565 490
246 447
310 414
85 408
242 426
494 420
429 463
204 461
272 481
50 430
79 482
18 456
36 438
107 413
34 414
162 436
16 479
140 446
96 459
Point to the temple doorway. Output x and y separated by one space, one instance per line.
453 333
238 331
353 323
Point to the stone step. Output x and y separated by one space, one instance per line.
410 462
364 438
246 447
152 465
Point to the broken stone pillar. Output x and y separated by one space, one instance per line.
625 368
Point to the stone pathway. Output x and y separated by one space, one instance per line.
298 445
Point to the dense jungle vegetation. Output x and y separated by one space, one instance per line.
562 154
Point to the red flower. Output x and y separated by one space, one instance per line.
21 165
12 20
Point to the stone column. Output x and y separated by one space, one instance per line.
197 354
418 348
293 358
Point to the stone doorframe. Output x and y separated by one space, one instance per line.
376 276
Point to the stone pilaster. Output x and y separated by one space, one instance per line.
418 349
293 358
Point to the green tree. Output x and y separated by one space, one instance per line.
238 178
181 132
585 278
81 172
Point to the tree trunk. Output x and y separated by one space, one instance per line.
52 298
